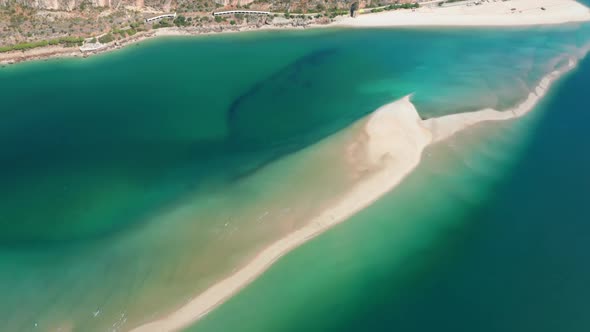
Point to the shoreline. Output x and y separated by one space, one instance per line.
497 13
53 52
393 141
57 52
489 13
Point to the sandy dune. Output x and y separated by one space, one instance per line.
488 13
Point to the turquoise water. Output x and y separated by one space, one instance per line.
132 180
437 255
129 131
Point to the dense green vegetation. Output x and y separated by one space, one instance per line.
120 32
64 41
181 21
106 38
164 23
333 12
396 7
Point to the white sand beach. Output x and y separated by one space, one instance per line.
486 13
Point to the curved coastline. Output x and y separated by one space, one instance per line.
391 145
496 14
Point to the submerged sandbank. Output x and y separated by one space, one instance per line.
445 126
387 149
487 13
392 142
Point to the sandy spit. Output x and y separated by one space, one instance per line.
446 126
392 141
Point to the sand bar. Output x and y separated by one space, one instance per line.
446 126
392 141
487 13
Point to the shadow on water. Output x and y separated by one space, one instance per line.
272 96
201 165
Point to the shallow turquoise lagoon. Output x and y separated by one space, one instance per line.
490 233
97 153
